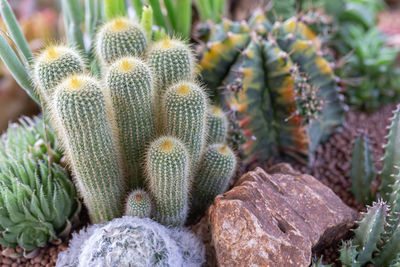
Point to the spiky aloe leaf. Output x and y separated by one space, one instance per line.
253 104
394 203
391 158
319 263
348 254
362 169
390 251
370 230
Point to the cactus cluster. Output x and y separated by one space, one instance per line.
146 124
38 202
131 241
272 75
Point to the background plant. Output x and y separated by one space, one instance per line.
262 72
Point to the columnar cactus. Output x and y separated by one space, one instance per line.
113 140
118 38
138 204
53 65
128 81
217 167
167 167
80 111
185 108
171 61
217 124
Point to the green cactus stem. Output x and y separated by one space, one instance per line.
138 204
82 117
129 84
185 109
362 170
369 231
118 38
217 125
171 61
216 169
391 158
53 65
167 165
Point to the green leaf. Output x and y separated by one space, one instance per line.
15 30
114 8
184 21
17 70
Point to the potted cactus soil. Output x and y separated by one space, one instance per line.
138 133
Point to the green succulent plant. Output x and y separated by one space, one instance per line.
138 204
272 76
132 241
375 241
38 201
143 126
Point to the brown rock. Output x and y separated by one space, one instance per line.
274 219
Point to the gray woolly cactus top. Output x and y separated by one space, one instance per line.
131 241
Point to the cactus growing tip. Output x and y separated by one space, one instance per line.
183 90
75 82
52 53
167 145
126 65
119 24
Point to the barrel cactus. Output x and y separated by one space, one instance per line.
131 241
38 202
144 125
261 68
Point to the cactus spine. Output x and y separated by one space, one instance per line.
185 107
53 65
217 167
167 167
118 38
129 81
138 204
80 112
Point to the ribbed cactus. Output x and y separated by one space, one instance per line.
80 111
185 111
217 125
253 63
217 167
53 65
362 170
138 204
118 38
391 158
130 84
171 61
167 165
